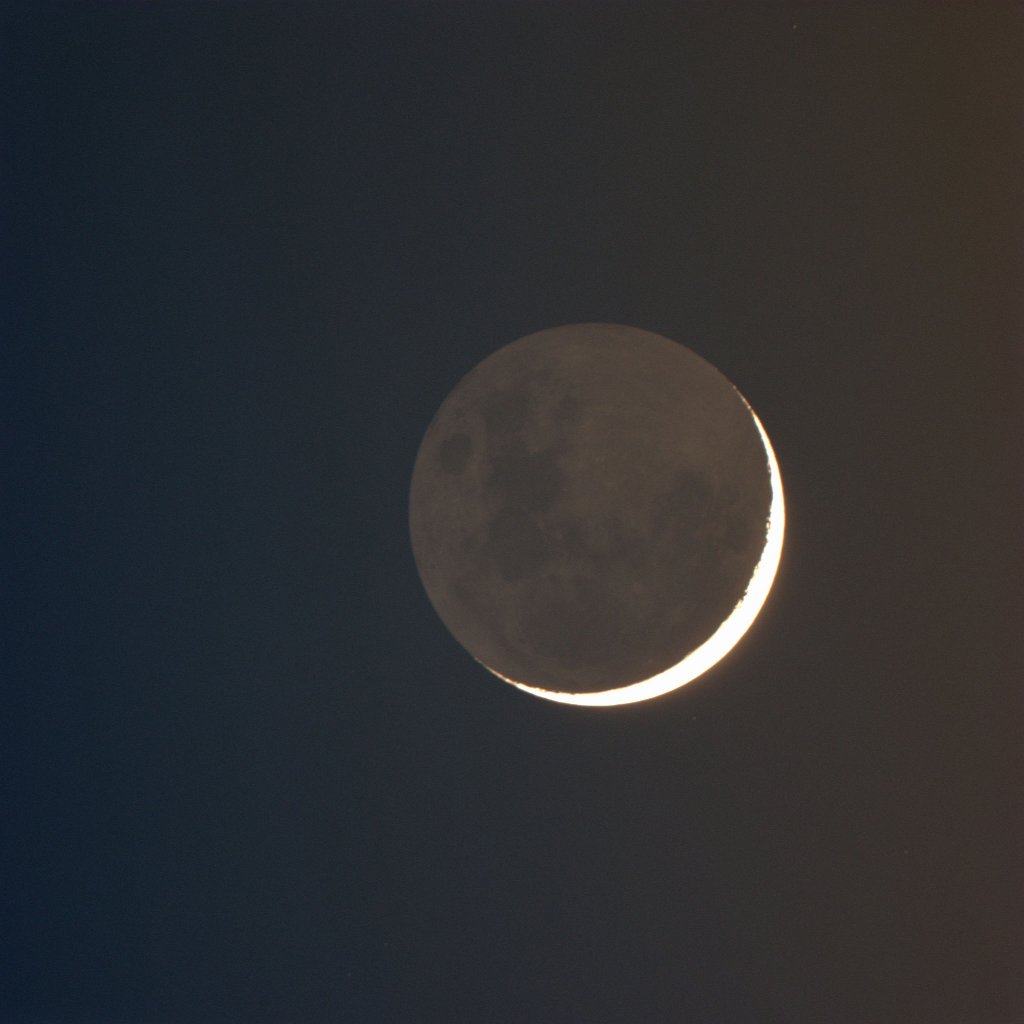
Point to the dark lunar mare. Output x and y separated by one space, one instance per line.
588 506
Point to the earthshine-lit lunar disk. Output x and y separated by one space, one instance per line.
596 514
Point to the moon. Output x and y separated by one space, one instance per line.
596 514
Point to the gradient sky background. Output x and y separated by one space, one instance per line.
246 774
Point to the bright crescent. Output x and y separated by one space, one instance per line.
723 640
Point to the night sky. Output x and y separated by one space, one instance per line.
246 773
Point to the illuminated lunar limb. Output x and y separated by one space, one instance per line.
723 640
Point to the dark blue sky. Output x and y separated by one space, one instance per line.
246 773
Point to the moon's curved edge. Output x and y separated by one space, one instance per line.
728 634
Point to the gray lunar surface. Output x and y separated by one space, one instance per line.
588 505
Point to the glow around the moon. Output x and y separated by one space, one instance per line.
722 641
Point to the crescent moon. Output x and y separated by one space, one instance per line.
596 513
723 640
